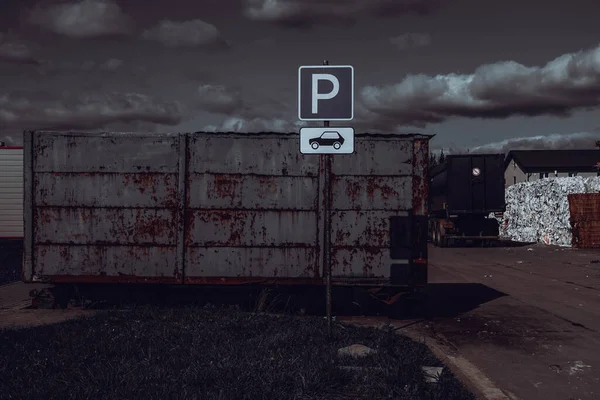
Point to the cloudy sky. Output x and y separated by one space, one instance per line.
522 73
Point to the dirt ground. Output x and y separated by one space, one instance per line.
14 301
528 317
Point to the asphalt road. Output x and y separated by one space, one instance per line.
527 317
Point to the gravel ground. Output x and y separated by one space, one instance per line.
11 256
153 352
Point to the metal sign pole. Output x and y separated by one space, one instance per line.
326 159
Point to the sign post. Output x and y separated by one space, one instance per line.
326 161
326 93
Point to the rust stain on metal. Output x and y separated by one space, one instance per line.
268 186
236 225
153 225
420 176
371 252
353 189
42 216
144 181
225 186
190 225
251 280
65 254
368 256
102 277
369 185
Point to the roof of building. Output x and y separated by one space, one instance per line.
555 160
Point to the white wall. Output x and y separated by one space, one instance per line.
11 193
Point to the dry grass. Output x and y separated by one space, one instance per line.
153 352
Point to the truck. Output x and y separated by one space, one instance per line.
224 209
465 190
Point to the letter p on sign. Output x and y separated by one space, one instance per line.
316 96
326 93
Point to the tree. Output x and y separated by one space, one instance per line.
442 157
432 160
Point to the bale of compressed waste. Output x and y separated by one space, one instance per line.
538 211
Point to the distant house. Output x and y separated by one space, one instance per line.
530 165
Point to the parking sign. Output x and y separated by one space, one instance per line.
326 93
327 140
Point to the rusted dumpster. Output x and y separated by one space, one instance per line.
584 211
217 208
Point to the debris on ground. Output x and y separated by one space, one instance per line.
356 350
538 211
578 367
432 374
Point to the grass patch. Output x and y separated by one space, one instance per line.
212 353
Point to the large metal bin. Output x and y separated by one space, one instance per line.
584 211
213 208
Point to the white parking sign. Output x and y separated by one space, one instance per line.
327 140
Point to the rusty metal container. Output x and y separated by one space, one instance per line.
214 208
585 219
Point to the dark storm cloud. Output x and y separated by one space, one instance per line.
500 90
582 140
260 114
265 42
408 40
309 12
83 19
15 50
219 99
39 110
258 124
184 34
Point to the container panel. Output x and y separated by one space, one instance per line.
105 206
361 262
250 154
102 261
375 183
361 228
111 152
105 190
240 262
373 156
209 191
118 226
371 193
215 228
